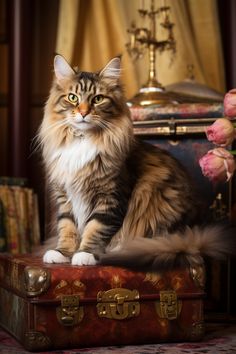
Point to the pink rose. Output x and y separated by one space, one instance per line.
221 132
218 165
230 103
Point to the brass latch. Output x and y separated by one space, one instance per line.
118 303
169 306
172 126
70 313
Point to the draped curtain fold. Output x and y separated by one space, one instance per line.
67 27
91 32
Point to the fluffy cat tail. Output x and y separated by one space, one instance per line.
174 250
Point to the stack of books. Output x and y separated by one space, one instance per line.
19 216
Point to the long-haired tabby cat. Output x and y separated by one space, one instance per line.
119 200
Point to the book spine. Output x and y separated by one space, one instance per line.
23 219
36 224
30 215
13 233
3 236
3 194
19 219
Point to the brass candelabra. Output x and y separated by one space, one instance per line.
143 39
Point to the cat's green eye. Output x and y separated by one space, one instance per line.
73 98
98 99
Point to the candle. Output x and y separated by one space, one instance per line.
163 3
141 4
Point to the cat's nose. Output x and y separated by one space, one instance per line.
83 109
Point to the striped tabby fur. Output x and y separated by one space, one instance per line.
119 200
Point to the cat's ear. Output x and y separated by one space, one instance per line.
62 69
112 69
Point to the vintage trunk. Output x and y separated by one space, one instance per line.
180 129
64 306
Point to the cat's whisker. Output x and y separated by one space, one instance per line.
34 146
59 124
103 123
34 143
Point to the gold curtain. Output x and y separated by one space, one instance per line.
67 27
91 32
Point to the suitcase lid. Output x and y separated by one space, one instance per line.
29 277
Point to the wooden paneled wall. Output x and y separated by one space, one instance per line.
27 44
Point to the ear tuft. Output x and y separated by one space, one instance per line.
61 68
112 69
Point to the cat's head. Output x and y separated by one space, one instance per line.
85 101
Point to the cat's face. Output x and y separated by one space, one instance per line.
87 101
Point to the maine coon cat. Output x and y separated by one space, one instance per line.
119 200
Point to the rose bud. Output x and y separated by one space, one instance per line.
218 165
230 103
221 132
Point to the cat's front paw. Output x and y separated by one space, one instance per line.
53 256
83 258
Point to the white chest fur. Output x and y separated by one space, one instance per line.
69 159
80 210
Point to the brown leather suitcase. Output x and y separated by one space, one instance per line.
62 306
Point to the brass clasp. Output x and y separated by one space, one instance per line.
169 306
118 303
70 313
